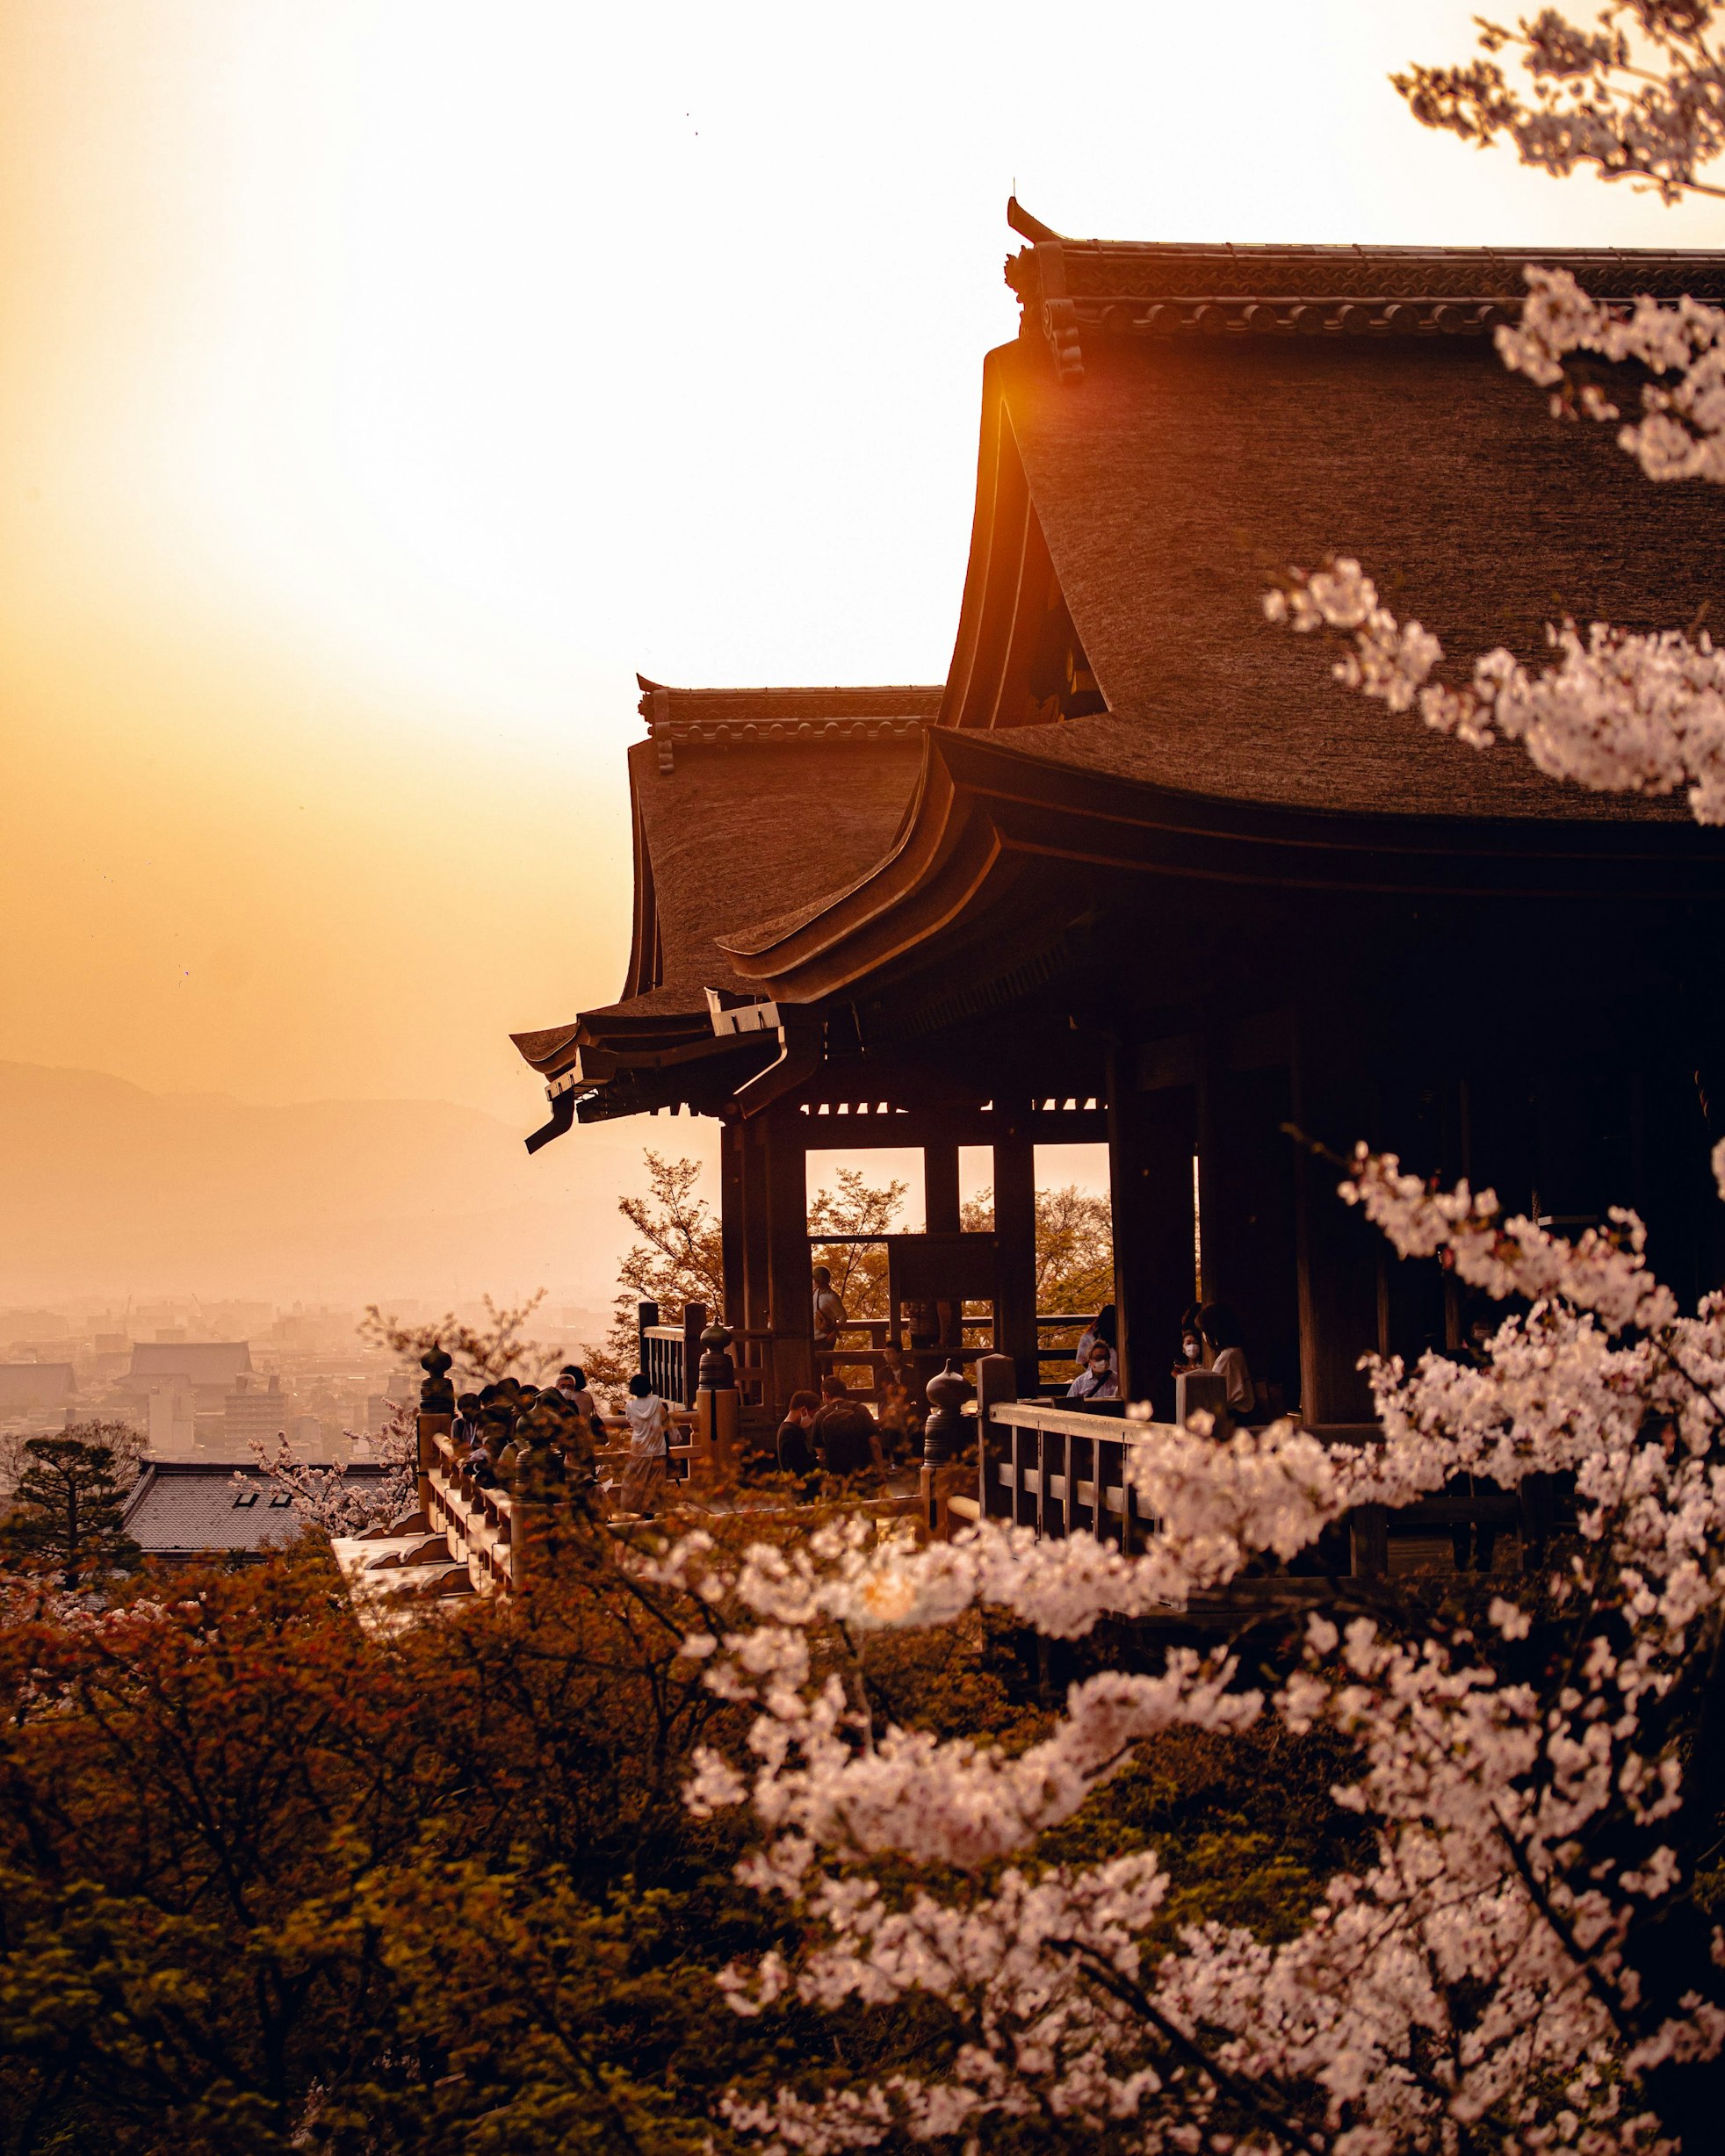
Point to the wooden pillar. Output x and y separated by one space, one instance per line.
940 1188
789 1289
1016 1234
1339 1251
1152 1138
754 1310
1247 1214
731 1157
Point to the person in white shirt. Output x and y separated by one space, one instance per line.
649 1422
1222 1338
1104 1327
1097 1380
829 1310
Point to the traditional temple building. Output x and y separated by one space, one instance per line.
1140 870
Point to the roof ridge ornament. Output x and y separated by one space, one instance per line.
1029 228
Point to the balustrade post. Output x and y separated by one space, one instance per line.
646 1316
943 1440
694 1326
718 1408
997 1382
437 1418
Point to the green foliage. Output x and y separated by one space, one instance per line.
69 1506
678 1259
271 1881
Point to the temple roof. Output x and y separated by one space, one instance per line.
1076 294
734 827
1175 479
807 717
1174 427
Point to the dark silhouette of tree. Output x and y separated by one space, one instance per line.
69 1506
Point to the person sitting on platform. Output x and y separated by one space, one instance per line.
844 1432
1098 1380
795 1448
1222 1338
1104 1327
464 1429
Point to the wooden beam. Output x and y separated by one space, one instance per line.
918 1127
730 1233
757 1308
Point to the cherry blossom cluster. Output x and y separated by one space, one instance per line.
1484 1971
1683 434
1639 96
1615 713
325 1497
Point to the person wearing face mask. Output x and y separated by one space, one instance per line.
1097 1380
1190 1354
1222 1338
1102 1331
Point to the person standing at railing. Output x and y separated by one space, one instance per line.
829 1310
649 1421
900 1417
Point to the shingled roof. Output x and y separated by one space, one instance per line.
179 1508
746 802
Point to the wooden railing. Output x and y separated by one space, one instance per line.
1063 1470
1066 1469
489 1530
671 1354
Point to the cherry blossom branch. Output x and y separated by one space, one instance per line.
1617 712
1648 106
1248 2094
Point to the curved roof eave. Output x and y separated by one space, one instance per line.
986 797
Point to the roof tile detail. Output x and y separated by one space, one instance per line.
1073 293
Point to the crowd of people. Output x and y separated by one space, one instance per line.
535 1438
1210 1339
545 1440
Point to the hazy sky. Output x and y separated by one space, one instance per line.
380 385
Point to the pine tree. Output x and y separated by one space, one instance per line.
68 1508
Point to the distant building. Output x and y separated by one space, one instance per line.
32 1388
173 1411
202 1363
180 1509
250 1416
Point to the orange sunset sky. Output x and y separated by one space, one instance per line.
381 384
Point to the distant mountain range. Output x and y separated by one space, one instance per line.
106 1189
